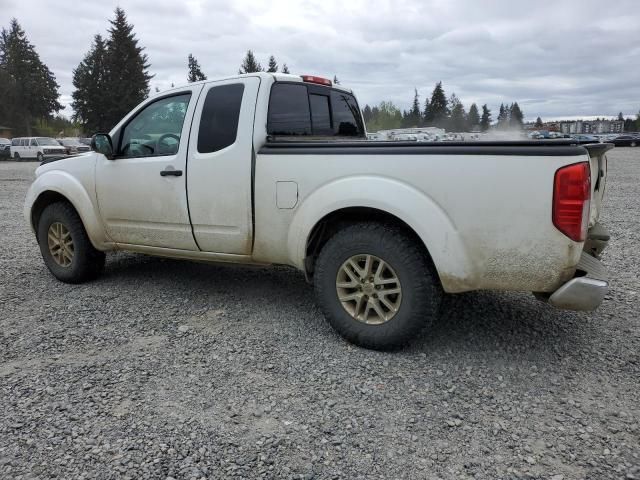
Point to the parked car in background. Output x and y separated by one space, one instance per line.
73 146
586 138
5 148
626 141
40 148
85 140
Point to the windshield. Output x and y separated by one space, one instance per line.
42 141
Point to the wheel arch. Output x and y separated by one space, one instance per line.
358 199
53 187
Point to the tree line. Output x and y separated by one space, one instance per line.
113 77
442 112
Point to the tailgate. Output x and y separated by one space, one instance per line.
598 159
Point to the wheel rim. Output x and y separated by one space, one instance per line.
60 244
369 289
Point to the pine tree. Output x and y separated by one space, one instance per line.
127 70
473 117
485 120
250 64
285 69
458 118
503 117
438 112
335 80
367 113
538 123
273 66
195 74
413 117
29 89
89 81
516 117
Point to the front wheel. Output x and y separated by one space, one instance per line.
633 144
40 157
376 285
16 156
65 246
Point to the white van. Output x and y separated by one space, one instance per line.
40 148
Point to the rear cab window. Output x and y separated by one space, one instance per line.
303 109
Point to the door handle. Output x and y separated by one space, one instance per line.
170 171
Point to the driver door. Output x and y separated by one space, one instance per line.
142 193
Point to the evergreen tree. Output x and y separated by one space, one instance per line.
126 70
516 117
250 64
367 113
539 123
195 74
438 112
485 120
629 125
285 69
413 117
273 66
458 118
503 117
89 80
335 80
473 117
28 88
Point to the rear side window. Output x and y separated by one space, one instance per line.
220 116
346 115
289 110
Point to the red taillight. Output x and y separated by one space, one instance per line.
571 199
312 79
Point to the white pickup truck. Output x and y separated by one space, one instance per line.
276 169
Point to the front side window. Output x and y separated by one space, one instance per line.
289 110
156 129
220 116
33 142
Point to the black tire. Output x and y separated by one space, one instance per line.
421 290
633 144
40 157
87 262
16 156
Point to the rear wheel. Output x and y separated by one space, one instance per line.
65 246
376 286
16 156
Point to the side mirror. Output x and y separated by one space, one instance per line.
101 143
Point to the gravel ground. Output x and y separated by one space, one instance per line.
173 369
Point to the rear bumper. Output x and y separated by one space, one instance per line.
586 290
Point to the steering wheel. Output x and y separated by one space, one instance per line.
159 145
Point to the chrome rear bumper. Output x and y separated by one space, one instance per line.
586 290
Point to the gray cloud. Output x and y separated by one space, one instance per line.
568 58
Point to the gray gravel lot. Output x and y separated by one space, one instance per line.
173 369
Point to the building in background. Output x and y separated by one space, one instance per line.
592 126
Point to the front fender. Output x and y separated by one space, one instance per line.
71 188
419 211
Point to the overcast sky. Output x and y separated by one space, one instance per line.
556 58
